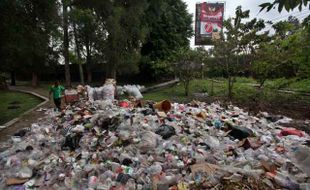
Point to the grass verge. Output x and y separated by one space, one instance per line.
12 104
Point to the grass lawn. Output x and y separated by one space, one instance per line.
242 90
12 104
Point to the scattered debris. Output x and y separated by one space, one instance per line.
102 143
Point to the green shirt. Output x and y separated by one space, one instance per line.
57 91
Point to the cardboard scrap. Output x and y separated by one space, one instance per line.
15 181
161 114
204 167
269 167
250 142
201 116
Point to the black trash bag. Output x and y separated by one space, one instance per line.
107 123
165 131
240 132
148 111
29 148
72 142
274 118
127 162
22 132
123 178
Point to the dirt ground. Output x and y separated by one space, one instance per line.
298 111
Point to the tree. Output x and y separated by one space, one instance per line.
78 54
120 32
84 29
186 65
285 55
267 62
250 38
289 5
126 32
170 29
28 28
65 5
229 47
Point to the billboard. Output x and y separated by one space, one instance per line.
208 22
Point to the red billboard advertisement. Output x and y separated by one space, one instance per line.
208 23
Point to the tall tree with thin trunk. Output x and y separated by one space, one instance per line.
66 42
27 29
85 32
78 54
227 49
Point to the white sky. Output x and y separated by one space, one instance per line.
253 6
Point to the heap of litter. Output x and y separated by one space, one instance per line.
118 145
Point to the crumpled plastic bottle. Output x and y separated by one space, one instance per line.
154 169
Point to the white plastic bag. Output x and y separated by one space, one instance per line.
133 90
108 92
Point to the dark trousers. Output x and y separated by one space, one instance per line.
57 102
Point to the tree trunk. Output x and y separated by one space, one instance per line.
229 93
229 78
34 79
81 74
89 74
212 87
66 44
13 78
186 85
111 72
261 83
114 73
88 61
3 84
77 49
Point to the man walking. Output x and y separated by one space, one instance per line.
57 91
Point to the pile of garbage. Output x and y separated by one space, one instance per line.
109 91
118 145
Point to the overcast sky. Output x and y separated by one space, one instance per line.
253 6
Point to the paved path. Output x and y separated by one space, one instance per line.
25 120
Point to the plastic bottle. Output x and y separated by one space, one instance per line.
155 169
92 182
130 185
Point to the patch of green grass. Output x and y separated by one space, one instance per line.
242 91
289 84
300 85
245 80
279 83
21 101
175 93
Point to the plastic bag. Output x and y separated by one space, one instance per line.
148 141
301 156
108 92
134 91
165 131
